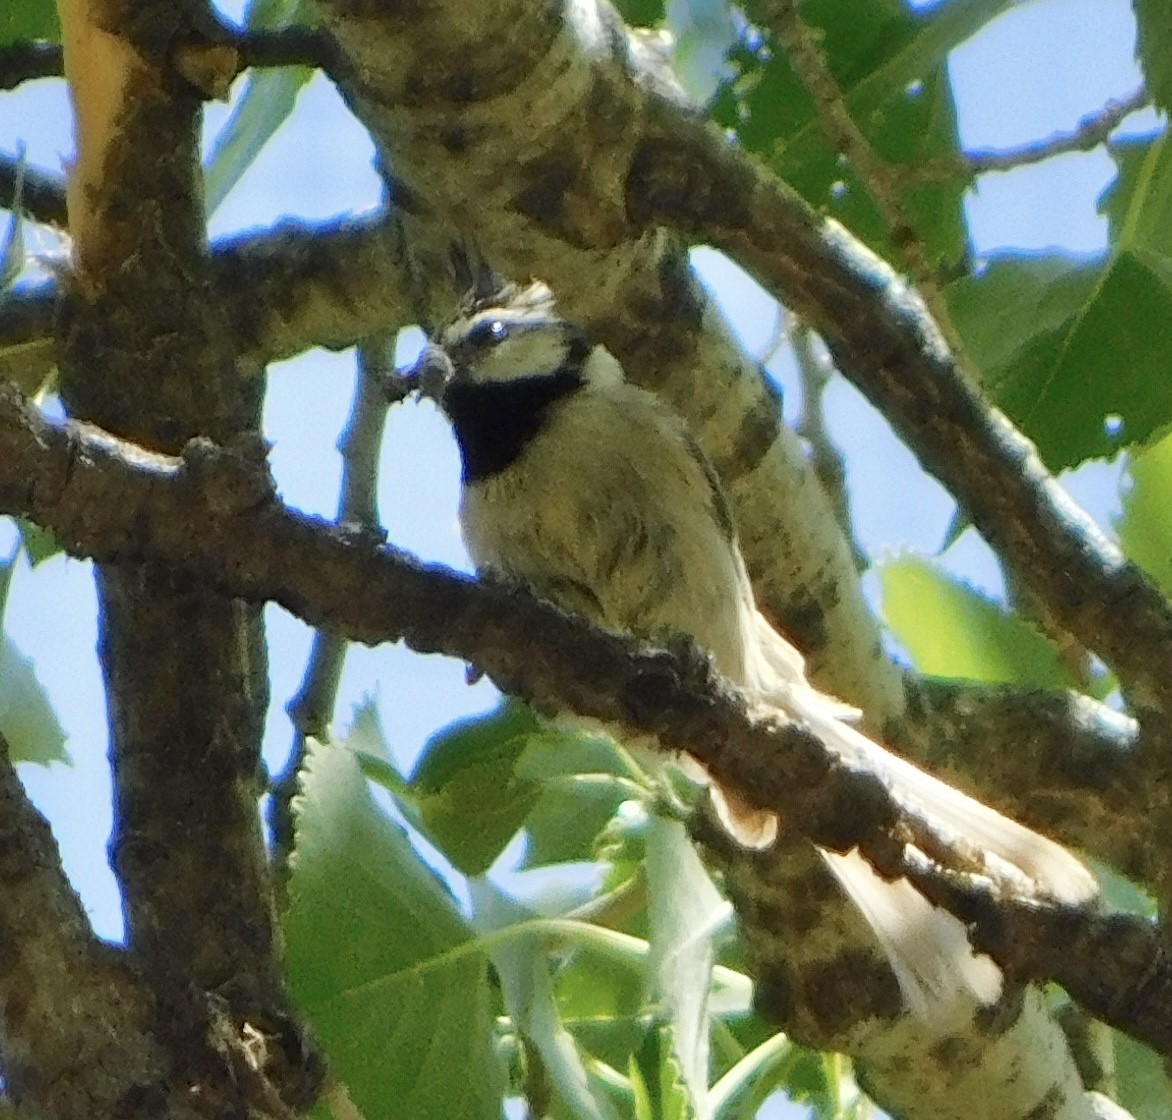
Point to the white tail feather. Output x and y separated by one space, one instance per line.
1042 868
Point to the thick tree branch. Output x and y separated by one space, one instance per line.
184 665
1069 765
279 292
215 513
285 46
73 1019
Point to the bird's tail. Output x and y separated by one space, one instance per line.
1028 862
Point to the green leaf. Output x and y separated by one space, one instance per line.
641 13
761 1067
685 912
951 630
1144 1090
570 813
1145 524
523 968
1138 203
1153 48
39 544
660 1092
471 798
381 960
264 106
27 719
1062 350
891 64
28 20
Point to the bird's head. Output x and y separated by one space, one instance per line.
515 334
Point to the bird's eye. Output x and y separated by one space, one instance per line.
488 332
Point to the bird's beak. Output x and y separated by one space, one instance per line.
431 372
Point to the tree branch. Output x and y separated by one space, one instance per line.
311 711
215 513
1070 766
184 666
73 1019
279 292
24 61
42 196
285 46
1094 129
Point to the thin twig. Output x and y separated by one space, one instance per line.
1094 129
312 709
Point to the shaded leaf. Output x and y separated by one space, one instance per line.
1138 202
1066 352
28 20
641 13
470 796
890 63
1144 1090
951 630
381 959
568 816
660 1092
1153 48
39 544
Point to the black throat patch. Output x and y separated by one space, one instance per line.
493 421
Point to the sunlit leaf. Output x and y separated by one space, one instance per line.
1145 525
951 630
381 959
27 718
523 966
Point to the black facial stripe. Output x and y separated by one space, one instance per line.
494 420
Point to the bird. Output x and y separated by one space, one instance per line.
596 495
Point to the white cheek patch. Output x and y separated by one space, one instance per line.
525 353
